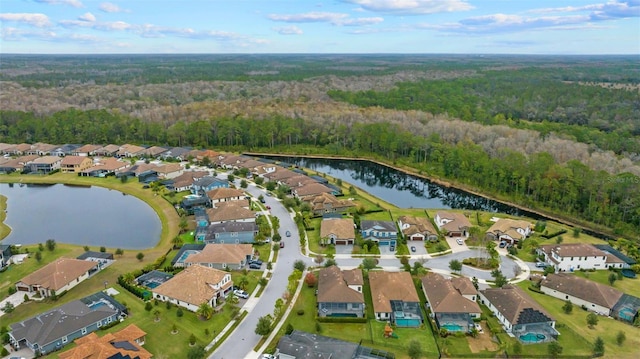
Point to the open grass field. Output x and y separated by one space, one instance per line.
577 338
4 229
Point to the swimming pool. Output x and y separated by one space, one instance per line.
532 338
97 305
152 285
186 254
452 327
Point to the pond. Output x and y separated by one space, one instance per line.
92 216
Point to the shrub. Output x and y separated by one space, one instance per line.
148 306
179 312
300 312
289 329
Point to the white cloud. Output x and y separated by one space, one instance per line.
38 20
309 17
412 7
334 18
87 17
74 3
111 7
288 30
15 34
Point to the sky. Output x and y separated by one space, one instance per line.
315 26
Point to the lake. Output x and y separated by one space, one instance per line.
92 216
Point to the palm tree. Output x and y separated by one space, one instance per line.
128 277
205 311
156 314
183 224
242 283
177 242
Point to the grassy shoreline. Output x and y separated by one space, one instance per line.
5 230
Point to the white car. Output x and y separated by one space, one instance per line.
268 356
241 293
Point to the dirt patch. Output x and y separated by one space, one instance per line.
482 341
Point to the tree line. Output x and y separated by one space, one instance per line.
538 181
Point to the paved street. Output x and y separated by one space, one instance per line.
242 341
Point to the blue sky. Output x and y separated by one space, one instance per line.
315 26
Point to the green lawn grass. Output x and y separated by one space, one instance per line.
576 328
4 229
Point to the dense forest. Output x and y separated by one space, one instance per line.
559 134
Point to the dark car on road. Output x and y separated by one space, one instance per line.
288 233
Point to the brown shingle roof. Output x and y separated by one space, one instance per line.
353 276
229 212
221 253
511 302
280 174
59 273
47 159
87 148
327 200
312 189
509 226
168 168
194 284
574 250
223 193
388 286
420 225
93 347
458 221
333 287
342 228
444 297
74 160
583 288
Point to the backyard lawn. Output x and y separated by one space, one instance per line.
577 338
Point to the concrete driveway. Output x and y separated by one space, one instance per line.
507 265
455 247
421 250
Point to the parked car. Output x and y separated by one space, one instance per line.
478 327
281 244
413 249
288 234
262 200
256 261
268 356
541 264
459 241
254 266
241 294
502 244
392 248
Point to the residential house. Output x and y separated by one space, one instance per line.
232 232
5 255
582 292
395 298
520 314
124 344
64 150
154 151
10 165
417 228
177 153
202 224
207 184
230 161
615 256
452 302
453 224
232 212
57 277
340 293
104 167
45 164
576 256
108 150
53 329
220 256
86 150
297 181
337 231
18 150
310 190
169 170
224 194
260 171
194 286
385 233
185 181
4 147
42 149
303 345
328 203
211 156
130 151
510 230
75 164
191 204
280 174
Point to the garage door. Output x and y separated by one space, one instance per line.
455 234
383 243
341 242
416 238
